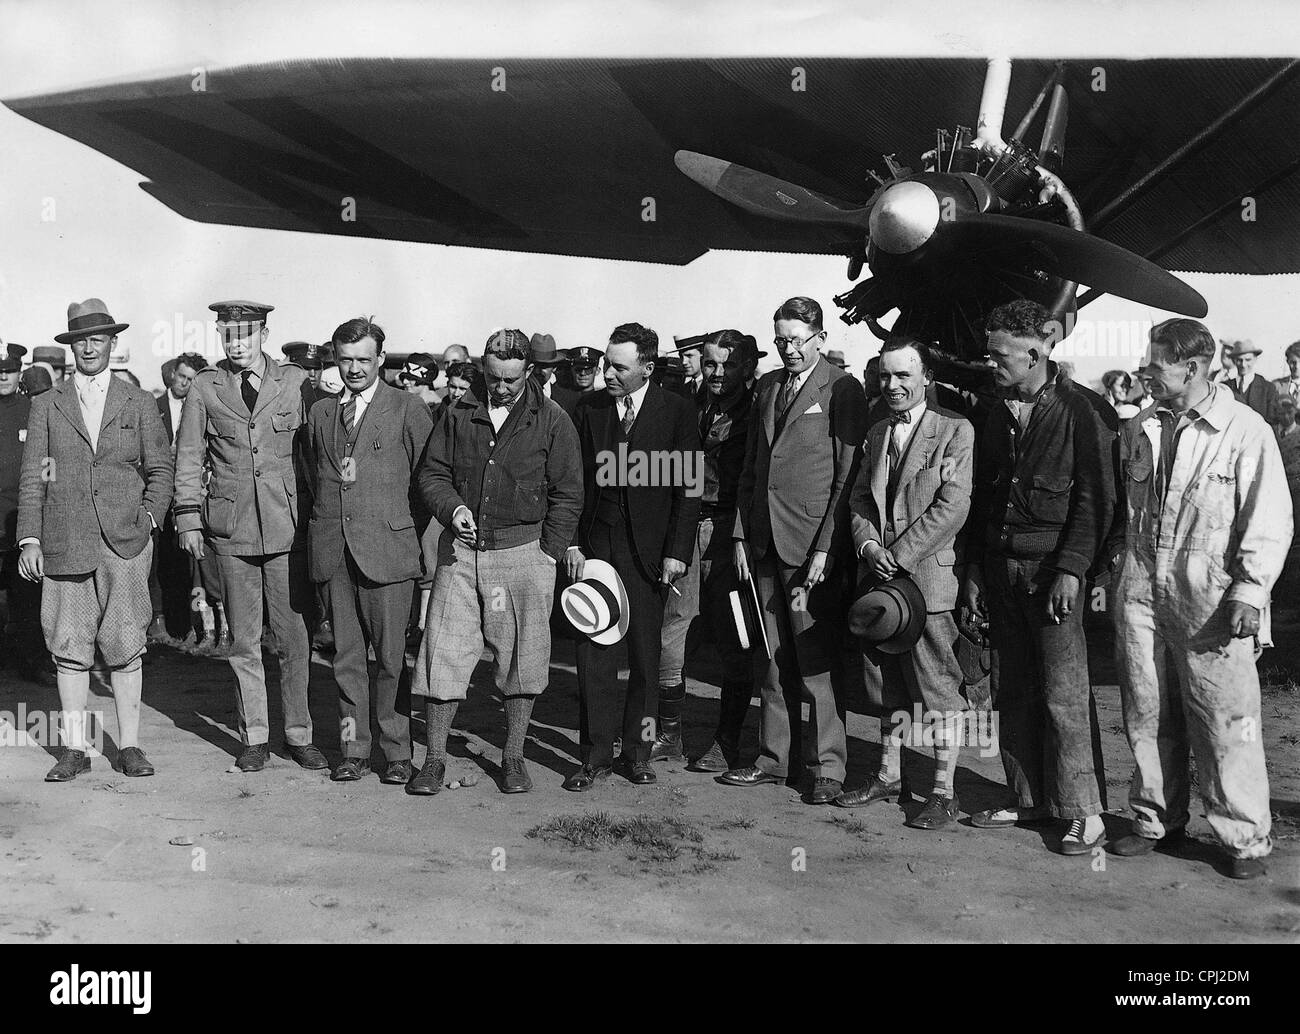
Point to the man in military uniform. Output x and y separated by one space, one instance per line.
20 600
243 416
583 362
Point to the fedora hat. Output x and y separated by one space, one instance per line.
86 318
889 616
597 604
543 350
836 358
1243 348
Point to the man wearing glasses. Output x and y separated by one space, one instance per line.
792 534
243 417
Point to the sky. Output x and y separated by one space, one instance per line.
75 224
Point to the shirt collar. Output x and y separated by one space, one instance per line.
915 413
1214 409
367 396
100 379
637 397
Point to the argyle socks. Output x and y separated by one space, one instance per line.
945 755
891 750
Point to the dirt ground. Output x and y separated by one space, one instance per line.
286 855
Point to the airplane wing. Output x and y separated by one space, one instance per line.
575 156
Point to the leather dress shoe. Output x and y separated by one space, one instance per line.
514 776
638 772
940 811
307 756
751 776
586 777
824 790
428 780
70 765
253 758
397 773
1245 868
876 790
712 760
1132 845
349 770
133 762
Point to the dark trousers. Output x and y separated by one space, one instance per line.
363 614
598 695
20 609
1047 717
173 577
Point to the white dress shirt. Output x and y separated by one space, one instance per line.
92 393
903 432
638 400
174 405
363 398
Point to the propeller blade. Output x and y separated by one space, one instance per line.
1078 256
765 195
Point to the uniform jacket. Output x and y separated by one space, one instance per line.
255 497
522 484
931 501
794 489
664 517
1226 519
14 410
124 481
365 505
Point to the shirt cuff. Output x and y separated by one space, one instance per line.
1249 593
29 538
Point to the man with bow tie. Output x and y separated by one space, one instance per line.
96 480
792 536
243 417
908 505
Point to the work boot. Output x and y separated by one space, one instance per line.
668 744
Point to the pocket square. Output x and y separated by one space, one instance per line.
816 407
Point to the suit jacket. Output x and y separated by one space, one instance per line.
259 475
165 414
794 487
663 517
14 411
931 501
369 510
123 481
1261 396
1282 385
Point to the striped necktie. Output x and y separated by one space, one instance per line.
629 415
349 413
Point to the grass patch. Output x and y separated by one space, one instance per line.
646 838
735 822
1277 680
854 827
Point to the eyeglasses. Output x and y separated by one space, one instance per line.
795 342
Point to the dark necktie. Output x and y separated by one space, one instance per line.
896 454
349 414
629 415
788 392
248 391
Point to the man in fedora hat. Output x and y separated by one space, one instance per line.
20 600
730 359
1041 511
645 529
55 358
836 358
909 504
503 475
243 418
792 536
85 531
545 360
1255 391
